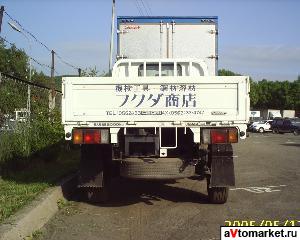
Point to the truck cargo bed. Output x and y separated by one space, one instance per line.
116 102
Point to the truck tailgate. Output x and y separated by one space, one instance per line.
155 99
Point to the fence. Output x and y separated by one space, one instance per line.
30 118
27 128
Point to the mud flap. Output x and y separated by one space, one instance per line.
94 165
222 167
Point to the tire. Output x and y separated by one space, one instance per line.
261 130
94 194
275 130
217 195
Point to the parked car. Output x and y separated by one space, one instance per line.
262 126
251 126
252 122
286 125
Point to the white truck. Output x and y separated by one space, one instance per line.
163 114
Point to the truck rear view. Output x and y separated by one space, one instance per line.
163 114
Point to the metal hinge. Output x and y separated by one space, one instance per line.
161 27
173 26
122 31
213 57
214 32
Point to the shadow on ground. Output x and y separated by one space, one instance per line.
291 144
125 192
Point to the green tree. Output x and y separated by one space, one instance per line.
91 72
13 61
224 72
254 95
271 94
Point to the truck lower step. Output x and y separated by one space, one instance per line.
156 168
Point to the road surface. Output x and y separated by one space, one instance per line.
267 189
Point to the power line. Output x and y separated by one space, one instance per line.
44 65
28 83
144 6
138 7
38 41
63 61
148 6
33 59
29 33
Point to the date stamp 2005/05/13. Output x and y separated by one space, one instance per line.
269 223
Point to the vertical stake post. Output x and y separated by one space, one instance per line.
1 17
112 36
52 93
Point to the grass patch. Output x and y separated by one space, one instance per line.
67 207
18 188
35 235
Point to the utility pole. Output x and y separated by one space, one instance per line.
1 16
79 72
52 93
52 63
16 28
112 35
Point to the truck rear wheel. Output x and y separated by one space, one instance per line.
218 195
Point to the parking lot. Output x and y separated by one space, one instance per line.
267 189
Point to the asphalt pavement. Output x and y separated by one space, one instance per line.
267 192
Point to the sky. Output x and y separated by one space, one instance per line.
260 38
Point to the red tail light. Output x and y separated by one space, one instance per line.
219 136
90 136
